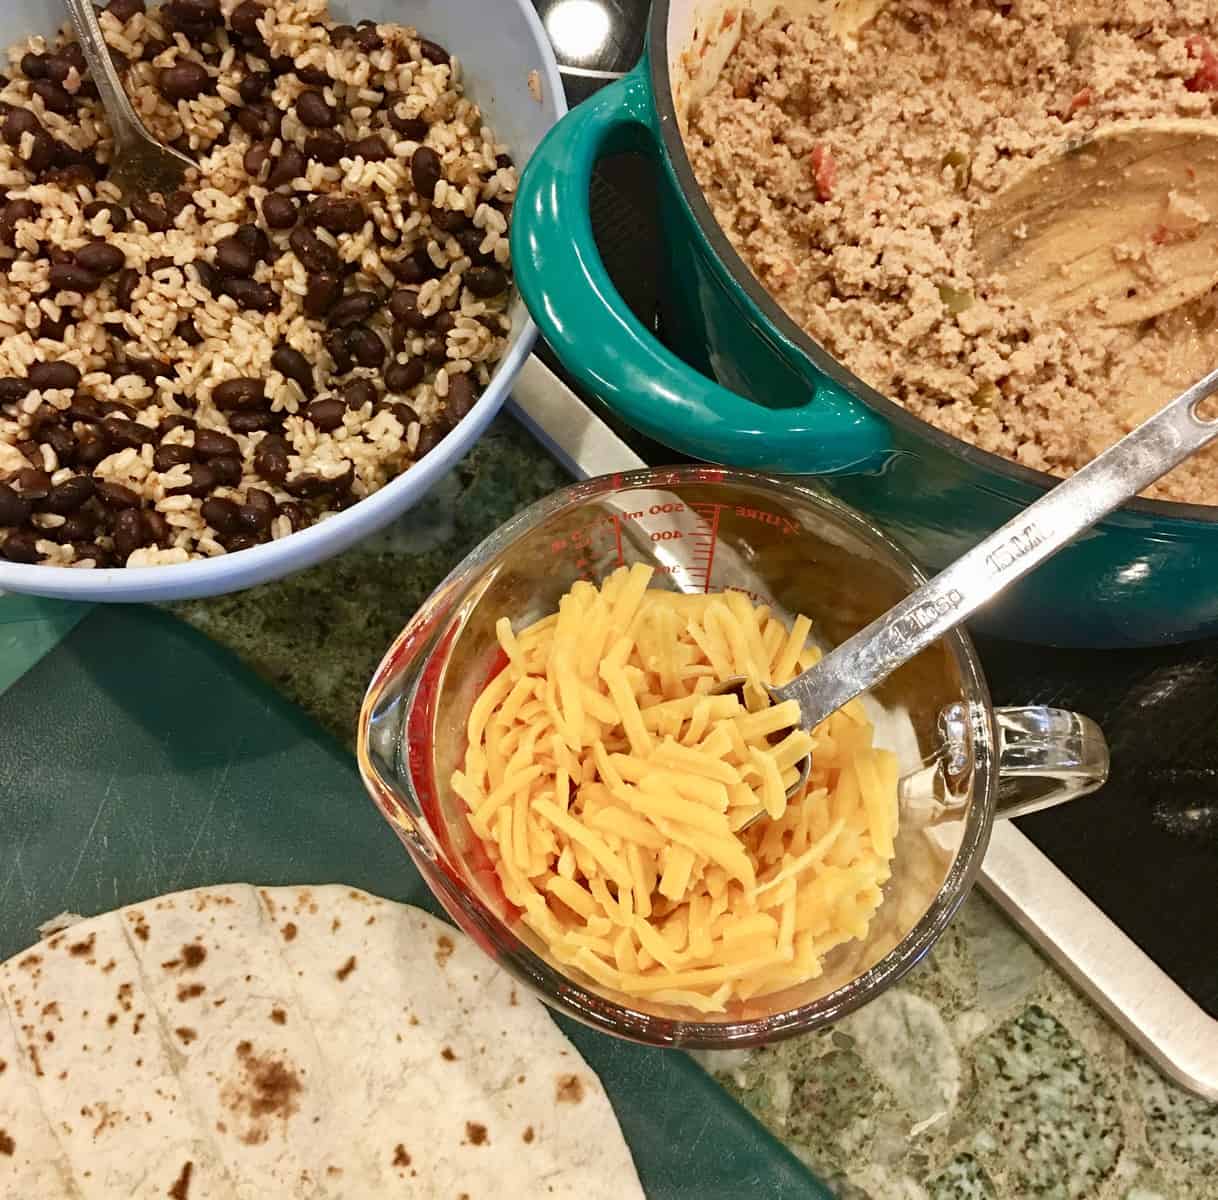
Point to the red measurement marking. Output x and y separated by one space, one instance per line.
617 533
765 517
710 514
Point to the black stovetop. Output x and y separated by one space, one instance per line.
1145 847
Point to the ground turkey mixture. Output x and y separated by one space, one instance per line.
849 178
187 375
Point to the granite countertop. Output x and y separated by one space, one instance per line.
983 1075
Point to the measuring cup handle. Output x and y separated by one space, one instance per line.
1046 756
568 291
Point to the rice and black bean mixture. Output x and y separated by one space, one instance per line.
191 374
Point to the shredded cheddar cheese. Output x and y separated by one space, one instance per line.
611 789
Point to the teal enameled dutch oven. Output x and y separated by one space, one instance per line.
750 389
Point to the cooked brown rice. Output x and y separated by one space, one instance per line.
364 319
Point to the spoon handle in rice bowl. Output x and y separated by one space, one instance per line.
1144 455
123 120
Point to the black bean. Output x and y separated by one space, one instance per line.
326 414
242 393
462 395
311 486
504 160
444 322
254 420
42 153
413 129
128 533
370 149
176 421
256 157
260 297
69 178
100 556
485 282
404 306
368 39
425 171
125 284
470 240
148 369
258 120
313 76
416 267
354 308
327 146
183 81
401 377
114 495
116 213
258 511
171 454
84 408
227 469
254 240
62 441
282 64
366 346
59 67
357 393
433 52
13 389
155 216
207 275
338 214
340 351
68 496
93 446
222 515
156 528
236 542
124 433
322 294
271 458
279 211
76 527
448 221
435 348
253 87
14 508
20 547
233 258
48 376
154 48
339 35
17 123
124 10
291 364
13 212
194 17
102 258
316 255
54 98
188 332
430 436
313 110
244 18
34 66
290 165
202 480
211 443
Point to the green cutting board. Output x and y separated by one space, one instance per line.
138 758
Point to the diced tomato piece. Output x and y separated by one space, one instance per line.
824 170
1206 77
1082 99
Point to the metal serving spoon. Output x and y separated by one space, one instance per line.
141 164
1124 223
1161 442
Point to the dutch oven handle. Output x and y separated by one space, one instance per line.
568 291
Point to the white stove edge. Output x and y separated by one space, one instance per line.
1103 962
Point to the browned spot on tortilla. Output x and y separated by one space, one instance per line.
528 1135
140 929
513 999
413 1019
335 925
7 1145
447 1054
187 1034
346 968
124 996
135 1025
265 1088
112 1019
35 1060
50 1036
570 1090
444 948
181 1186
371 920
279 1016
400 1157
475 1133
83 948
109 967
3 1066
193 954
190 990
30 961
289 931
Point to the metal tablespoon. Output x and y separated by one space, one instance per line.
141 164
868 657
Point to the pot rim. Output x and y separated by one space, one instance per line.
656 58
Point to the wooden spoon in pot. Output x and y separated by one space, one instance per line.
1124 223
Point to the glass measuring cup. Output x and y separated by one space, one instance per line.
705 529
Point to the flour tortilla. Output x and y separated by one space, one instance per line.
288 1042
